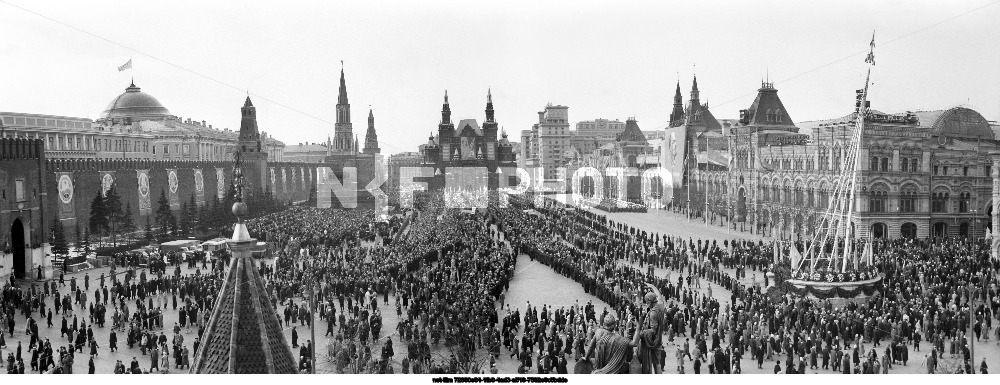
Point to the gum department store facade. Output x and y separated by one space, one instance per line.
920 173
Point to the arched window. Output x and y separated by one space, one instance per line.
904 164
810 194
939 202
914 165
885 164
908 200
963 202
874 165
877 200
777 115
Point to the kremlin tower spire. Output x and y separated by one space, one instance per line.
253 156
489 106
445 110
371 138
343 129
249 135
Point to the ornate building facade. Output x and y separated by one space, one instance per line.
468 157
134 125
924 173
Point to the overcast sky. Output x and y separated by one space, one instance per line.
602 59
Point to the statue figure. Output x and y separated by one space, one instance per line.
611 351
649 335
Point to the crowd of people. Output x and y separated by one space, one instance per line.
135 299
685 304
924 296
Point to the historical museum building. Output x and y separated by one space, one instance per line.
467 157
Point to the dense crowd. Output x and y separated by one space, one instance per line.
675 302
924 296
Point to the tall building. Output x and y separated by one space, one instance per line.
600 128
553 141
591 135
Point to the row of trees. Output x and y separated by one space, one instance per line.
111 224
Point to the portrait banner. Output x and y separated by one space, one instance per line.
302 177
172 184
107 180
145 203
66 194
274 187
199 188
220 186
284 181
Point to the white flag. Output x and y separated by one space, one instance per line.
125 66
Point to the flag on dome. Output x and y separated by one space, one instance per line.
127 65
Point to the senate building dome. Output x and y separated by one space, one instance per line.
136 105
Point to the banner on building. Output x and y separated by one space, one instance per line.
66 193
673 154
199 188
302 176
145 204
220 186
107 180
284 180
175 202
274 187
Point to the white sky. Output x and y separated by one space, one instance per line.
602 59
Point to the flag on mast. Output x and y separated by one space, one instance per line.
127 65
795 255
871 51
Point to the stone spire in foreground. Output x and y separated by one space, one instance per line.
243 335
